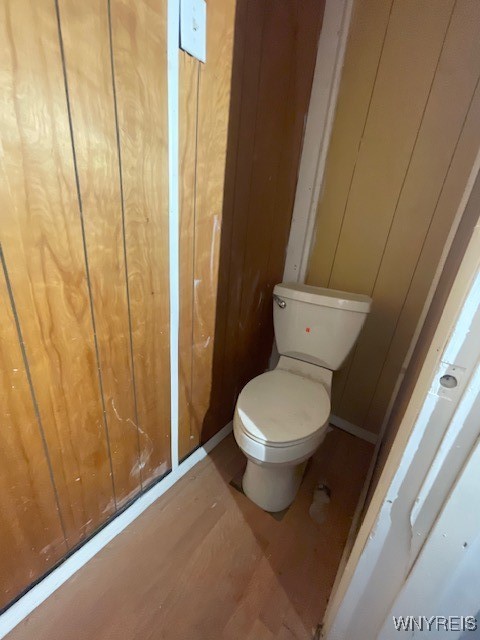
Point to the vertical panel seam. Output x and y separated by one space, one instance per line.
421 250
84 240
360 143
122 205
32 393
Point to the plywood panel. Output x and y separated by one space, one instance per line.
383 147
401 90
250 83
309 17
212 140
88 70
31 536
437 138
258 75
140 67
290 32
449 200
462 236
284 83
365 43
278 43
375 229
368 30
220 407
188 109
41 236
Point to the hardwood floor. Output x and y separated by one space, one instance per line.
204 563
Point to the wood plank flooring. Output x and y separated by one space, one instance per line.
204 563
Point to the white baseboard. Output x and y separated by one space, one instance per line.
360 432
41 591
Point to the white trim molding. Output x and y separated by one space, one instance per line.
318 131
41 591
173 30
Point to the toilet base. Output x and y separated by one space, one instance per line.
272 487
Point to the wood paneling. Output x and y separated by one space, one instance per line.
85 232
140 70
408 161
402 86
365 43
289 41
275 78
249 87
212 142
31 536
89 75
84 329
258 74
466 229
419 287
41 236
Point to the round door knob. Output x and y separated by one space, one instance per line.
448 381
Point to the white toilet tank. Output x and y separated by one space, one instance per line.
317 325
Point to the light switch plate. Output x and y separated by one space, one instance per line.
193 28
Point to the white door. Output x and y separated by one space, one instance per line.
441 596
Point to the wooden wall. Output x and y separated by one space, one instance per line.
241 125
466 229
406 132
84 324
84 319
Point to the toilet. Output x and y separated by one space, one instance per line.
281 417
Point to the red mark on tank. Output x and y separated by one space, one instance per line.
307 329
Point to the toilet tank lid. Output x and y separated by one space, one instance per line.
324 297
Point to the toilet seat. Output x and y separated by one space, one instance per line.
279 407
281 416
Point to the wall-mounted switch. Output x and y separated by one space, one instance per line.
193 28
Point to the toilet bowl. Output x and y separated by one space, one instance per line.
281 416
280 420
